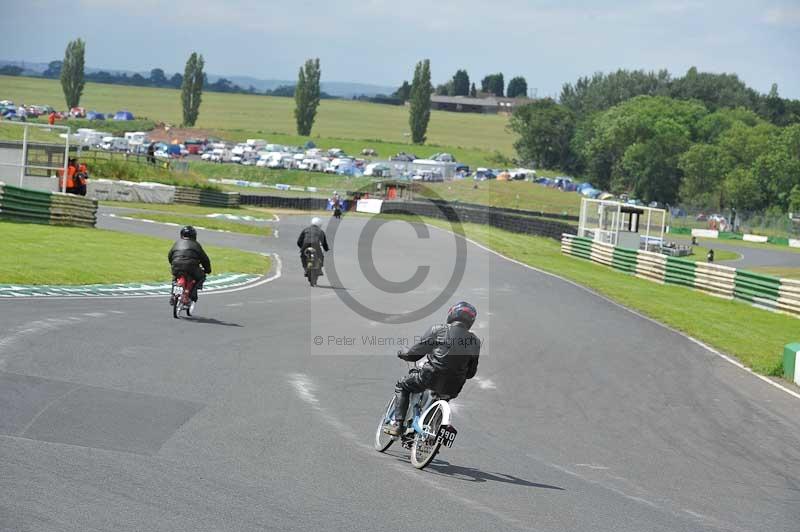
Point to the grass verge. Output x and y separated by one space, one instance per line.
756 337
44 254
179 208
700 253
206 223
779 271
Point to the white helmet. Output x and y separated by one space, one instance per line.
316 221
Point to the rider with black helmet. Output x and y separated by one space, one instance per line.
186 256
452 352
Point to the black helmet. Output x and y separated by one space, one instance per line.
189 232
463 312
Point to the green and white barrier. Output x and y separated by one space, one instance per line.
36 206
763 291
791 366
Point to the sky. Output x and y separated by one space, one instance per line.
549 42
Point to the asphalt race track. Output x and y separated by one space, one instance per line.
752 256
583 416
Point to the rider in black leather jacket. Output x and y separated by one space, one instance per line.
452 352
186 256
313 236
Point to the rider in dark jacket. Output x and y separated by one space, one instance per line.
186 256
313 236
452 352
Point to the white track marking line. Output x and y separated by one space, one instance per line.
634 312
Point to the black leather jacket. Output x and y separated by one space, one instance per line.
312 236
186 251
452 352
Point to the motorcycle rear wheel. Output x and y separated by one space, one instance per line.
175 306
425 448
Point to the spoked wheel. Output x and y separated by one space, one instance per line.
382 440
425 447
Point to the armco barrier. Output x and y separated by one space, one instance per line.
507 219
25 205
284 202
479 215
210 198
764 291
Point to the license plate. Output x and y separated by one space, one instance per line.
177 290
447 435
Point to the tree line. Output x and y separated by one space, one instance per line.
704 139
460 85
158 79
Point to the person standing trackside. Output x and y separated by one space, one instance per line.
151 153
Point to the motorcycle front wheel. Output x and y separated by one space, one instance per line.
382 440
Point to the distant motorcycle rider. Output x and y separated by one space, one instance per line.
187 256
452 352
313 236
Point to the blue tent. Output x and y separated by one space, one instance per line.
309 145
94 115
123 115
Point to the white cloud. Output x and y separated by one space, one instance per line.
788 16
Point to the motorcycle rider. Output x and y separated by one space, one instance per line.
313 236
186 256
452 352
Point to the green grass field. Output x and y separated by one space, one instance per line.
339 119
778 271
45 254
515 194
756 337
178 208
700 253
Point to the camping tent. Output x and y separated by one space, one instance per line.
123 115
94 115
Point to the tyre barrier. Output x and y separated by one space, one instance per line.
206 197
36 206
763 291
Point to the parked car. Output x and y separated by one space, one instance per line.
404 157
194 146
114 144
482 174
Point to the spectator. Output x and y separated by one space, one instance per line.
51 118
151 153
